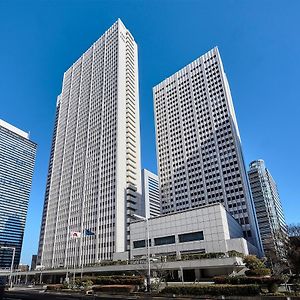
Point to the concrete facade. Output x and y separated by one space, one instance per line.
94 177
201 230
150 194
200 158
269 212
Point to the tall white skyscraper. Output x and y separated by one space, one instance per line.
150 194
94 172
199 152
269 212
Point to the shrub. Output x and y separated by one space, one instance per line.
258 272
234 253
225 290
87 284
114 288
247 280
203 256
272 287
119 280
256 266
253 263
54 287
270 282
89 278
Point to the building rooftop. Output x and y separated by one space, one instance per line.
14 129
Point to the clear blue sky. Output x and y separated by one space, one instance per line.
259 42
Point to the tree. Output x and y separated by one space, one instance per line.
294 230
279 265
253 263
276 247
294 248
256 266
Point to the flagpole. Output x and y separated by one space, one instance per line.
66 258
81 255
67 266
74 261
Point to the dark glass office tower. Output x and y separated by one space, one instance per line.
17 156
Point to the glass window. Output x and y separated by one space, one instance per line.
140 244
192 236
165 240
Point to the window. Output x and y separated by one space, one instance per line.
140 244
192 236
165 240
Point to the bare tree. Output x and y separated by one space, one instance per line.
294 230
276 250
294 248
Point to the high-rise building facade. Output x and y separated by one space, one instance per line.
150 194
94 179
46 197
199 152
17 157
269 212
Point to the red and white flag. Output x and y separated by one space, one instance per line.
75 234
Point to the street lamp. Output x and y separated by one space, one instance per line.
42 268
12 262
148 248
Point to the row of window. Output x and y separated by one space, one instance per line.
167 240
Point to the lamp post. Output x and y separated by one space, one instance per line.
148 248
12 262
41 274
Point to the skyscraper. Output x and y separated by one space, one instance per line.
269 212
150 194
198 144
17 157
94 172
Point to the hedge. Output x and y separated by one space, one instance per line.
214 290
54 287
112 262
119 280
234 253
203 256
258 272
271 283
247 280
114 288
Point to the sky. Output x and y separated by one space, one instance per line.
259 42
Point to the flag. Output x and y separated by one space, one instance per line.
88 232
75 234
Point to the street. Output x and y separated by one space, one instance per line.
33 294
37 294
